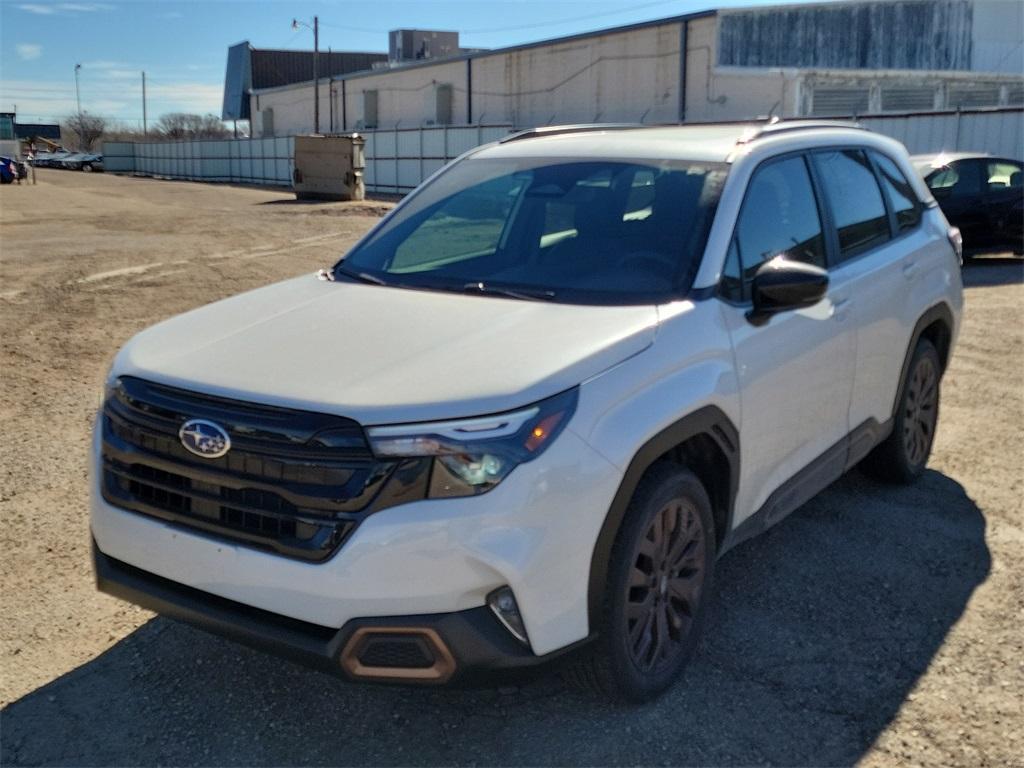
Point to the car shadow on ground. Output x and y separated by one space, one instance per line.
983 271
818 631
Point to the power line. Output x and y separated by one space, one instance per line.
516 27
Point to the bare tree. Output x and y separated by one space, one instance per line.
183 125
86 129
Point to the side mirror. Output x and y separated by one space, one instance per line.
780 285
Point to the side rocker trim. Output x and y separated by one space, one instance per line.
709 421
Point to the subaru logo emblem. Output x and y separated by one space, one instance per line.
204 438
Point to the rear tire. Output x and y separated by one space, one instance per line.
903 455
659 577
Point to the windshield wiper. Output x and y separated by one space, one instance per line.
524 294
363 277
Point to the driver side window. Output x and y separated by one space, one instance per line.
779 216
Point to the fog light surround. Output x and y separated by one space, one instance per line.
503 603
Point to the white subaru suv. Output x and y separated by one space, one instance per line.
522 417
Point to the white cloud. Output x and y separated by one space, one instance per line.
29 51
49 9
42 10
105 65
84 7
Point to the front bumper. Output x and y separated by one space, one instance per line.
460 648
535 533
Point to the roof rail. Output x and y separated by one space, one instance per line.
556 130
777 126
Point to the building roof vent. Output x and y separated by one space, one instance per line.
840 101
908 98
973 95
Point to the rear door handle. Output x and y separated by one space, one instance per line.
909 270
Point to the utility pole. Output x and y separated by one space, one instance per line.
78 97
316 74
316 67
145 128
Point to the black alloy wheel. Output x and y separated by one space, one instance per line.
659 578
920 410
665 584
903 455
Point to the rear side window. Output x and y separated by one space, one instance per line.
902 199
856 201
779 217
1003 175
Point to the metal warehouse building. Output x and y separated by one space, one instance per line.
847 58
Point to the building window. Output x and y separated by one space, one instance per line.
370 115
443 104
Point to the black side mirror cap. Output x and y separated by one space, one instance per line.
780 285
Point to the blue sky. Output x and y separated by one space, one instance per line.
182 46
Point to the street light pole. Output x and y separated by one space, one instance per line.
145 130
78 97
316 75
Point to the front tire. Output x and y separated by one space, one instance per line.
903 455
658 582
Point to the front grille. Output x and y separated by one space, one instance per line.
294 482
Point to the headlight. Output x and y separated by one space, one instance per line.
472 456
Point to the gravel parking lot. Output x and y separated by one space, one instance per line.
879 625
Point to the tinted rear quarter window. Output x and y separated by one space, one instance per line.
902 198
856 201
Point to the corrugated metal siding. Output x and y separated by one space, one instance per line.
911 34
998 132
273 68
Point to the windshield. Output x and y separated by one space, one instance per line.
572 231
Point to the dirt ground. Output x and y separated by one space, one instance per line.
876 625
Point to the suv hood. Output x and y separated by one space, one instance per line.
385 355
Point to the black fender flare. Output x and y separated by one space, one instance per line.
710 421
940 311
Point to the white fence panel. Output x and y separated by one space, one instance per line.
399 159
247 161
998 132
